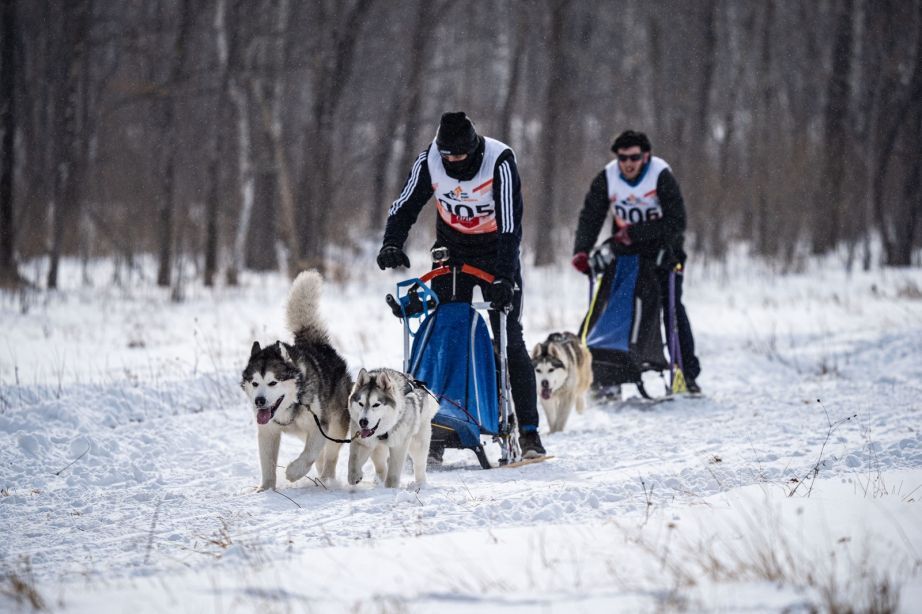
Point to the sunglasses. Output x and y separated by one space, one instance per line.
631 157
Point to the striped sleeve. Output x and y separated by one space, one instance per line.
507 192
415 194
411 184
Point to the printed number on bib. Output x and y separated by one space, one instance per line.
635 214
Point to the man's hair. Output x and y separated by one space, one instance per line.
629 138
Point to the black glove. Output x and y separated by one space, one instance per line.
391 257
501 292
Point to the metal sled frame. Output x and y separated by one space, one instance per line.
507 437
603 257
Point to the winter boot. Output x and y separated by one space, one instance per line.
531 445
436 450
692 386
605 394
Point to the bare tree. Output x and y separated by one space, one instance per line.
340 26
554 106
168 197
216 146
827 206
520 31
66 206
8 271
897 220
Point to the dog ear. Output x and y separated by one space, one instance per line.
362 377
254 349
554 351
283 350
384 380
536 351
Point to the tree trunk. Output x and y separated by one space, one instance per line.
246 180
66 187
828 204
270 108
317 190
911 206
8 272
216 145
167 211
550 122
707 72
407 98
516 53
893 119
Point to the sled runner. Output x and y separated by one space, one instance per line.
623 326
453 354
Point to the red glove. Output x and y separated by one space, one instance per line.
580 262
622 235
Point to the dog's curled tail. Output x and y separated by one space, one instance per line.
304 308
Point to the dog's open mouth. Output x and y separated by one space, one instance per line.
365 433
546 390
266 413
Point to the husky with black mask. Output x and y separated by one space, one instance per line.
293 387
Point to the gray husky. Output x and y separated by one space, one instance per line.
288 385
563 374
391 416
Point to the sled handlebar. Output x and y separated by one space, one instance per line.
465 268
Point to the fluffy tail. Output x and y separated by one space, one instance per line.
303 310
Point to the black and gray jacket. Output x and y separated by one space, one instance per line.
479 218
648 237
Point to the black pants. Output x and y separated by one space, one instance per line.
521 372
692 368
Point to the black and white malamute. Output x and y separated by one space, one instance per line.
391 417
563 374
286 383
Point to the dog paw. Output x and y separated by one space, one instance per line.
296 470
355 478
392 483
265 487
417 485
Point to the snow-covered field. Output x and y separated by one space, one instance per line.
128 462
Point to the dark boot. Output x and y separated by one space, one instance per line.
436 450
530 443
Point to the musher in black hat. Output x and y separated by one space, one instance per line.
648 218
479 200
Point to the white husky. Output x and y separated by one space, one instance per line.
563 374
391 415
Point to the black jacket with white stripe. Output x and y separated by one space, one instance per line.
497 252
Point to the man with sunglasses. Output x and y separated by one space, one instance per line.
649 219
478 197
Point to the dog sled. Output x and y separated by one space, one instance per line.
447 346
623 327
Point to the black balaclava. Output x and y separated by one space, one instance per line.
457 136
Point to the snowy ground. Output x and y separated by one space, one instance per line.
128 462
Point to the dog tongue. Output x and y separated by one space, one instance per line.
545 392
263 416
367 433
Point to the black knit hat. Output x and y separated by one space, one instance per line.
456 134
629 138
